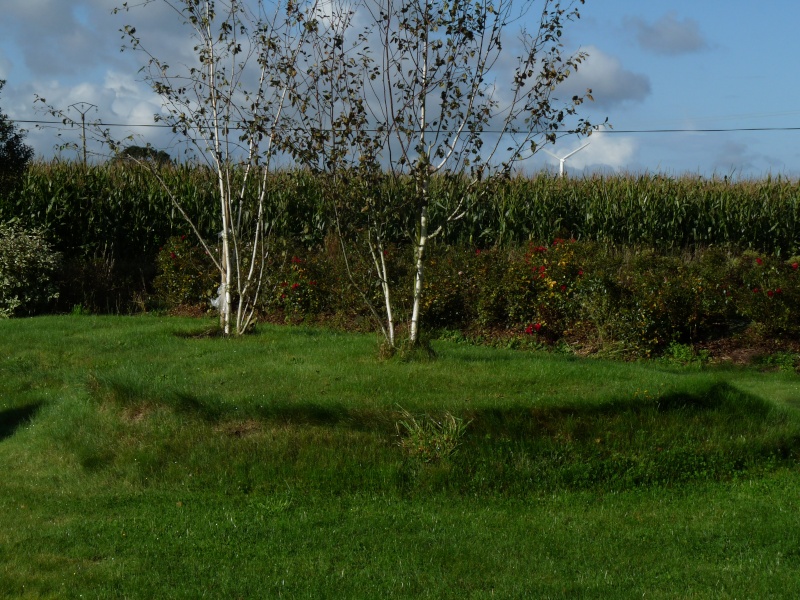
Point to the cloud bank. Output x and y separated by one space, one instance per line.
668 35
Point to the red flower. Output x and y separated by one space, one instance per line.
759 261
183 237
755 290
534 328
172 255
477 251
284 284
563 288
580 273
312 282
296 260
295 286
779 291
795 265
537 327
770 293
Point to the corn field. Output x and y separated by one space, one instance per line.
123 210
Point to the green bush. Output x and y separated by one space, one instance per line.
186 275
767 291
27 268
298 293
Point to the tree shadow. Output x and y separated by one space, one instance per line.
12 419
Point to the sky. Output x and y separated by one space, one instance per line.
682 66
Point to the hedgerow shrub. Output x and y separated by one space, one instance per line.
298 294
186 275
28 265
767 291
640 301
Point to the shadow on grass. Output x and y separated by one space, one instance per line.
13 418
714 432
718 405
720 401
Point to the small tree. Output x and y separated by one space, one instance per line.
228 105
433 88
14 153
332 134
147 154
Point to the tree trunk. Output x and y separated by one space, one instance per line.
419 274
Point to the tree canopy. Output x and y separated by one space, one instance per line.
143 153
14 153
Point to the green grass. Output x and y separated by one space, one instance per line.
140 460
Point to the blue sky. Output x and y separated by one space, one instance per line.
708 64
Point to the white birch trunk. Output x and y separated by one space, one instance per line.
413 335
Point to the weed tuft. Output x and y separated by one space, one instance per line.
430 440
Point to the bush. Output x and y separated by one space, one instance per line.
186 275
767 291
298 294
28 264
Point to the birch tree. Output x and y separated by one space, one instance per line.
228 104
455 101
334 136
445 88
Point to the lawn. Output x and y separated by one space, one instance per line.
142 458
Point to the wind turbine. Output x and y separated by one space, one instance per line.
561 160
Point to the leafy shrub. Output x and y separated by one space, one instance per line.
186 275
446 296
28 264
298 295
767 291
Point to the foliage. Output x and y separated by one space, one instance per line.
361 113
298 293
227 103
766 290
14 154
689 284
109 209
137 154
76 203
185 275
28 266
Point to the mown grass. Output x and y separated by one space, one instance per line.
143 459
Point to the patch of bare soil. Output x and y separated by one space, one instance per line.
240 428
195 311
748 347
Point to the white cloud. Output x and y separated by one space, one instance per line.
610 82
668 35
604 150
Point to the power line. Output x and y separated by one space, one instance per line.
611 131
94 123
708 130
